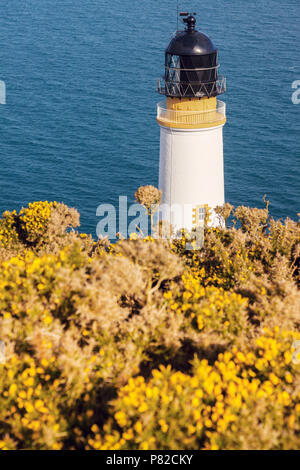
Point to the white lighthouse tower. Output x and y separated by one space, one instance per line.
191 121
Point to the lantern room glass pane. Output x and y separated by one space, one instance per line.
191 75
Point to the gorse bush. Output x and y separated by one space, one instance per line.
144 345
212 405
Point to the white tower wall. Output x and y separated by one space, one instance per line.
191 173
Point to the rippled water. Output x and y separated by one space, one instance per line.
79 124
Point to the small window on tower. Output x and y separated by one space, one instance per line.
201 214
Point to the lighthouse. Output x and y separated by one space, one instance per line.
191 120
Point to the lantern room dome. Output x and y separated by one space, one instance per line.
190 43
191 65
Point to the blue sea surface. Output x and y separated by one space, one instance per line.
79 125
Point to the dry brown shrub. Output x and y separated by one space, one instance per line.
252 219
149 197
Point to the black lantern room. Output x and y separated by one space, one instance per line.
191 65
